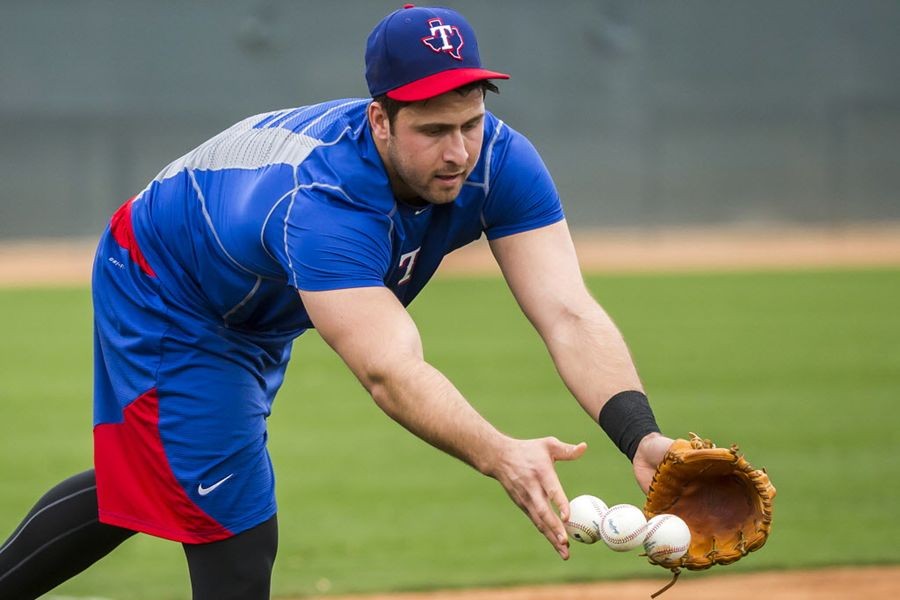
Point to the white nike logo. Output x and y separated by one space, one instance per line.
205 490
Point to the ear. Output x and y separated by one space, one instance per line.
378 121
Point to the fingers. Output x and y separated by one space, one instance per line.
541 514
549 490
558 497
563 451
536 487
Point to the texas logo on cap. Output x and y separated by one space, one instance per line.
419 52
444 38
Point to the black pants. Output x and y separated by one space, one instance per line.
62 536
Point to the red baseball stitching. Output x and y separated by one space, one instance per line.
599 506
583 528
658 524
660 550
627 538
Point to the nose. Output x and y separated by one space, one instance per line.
455 149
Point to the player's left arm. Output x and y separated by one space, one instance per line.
590 354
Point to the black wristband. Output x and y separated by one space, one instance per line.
627 418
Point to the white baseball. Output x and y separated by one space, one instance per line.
623 527
668 538
585 513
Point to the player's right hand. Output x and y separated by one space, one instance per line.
525 470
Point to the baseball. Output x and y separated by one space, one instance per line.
623 527
668 538
585 513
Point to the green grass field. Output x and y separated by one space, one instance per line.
803 369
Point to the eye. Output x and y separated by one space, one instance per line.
473 125
431 131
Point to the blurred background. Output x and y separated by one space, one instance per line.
647 113
743 118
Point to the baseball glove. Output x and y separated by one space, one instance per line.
726 503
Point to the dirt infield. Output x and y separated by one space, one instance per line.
55 262
863 583
713 249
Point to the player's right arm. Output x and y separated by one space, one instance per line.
376 337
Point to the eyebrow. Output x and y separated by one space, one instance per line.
444 126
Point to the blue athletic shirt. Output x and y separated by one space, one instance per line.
300 199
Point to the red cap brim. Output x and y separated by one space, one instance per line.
441 83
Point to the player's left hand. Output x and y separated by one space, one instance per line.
650 452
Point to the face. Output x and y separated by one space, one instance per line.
432 146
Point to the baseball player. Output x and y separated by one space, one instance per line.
331 216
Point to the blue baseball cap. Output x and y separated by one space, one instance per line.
417 53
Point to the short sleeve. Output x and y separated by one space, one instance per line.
331 243
521 193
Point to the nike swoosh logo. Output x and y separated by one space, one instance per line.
206 490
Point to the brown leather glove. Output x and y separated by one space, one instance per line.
726 503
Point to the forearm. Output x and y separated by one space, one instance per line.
593 360
591 356
421 399
425 402
589 352
378 340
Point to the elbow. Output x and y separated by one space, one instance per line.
384 377
378 377
573 323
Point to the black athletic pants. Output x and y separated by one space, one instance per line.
63 536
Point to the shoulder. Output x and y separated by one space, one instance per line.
499 132
285 137
346 163
503 142
507 151
315 120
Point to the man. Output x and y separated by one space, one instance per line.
331 216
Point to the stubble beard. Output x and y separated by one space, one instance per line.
424 187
